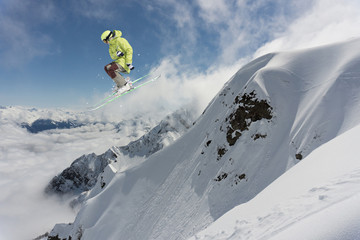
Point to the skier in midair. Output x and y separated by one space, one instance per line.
121 52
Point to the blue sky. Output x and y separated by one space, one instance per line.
52 55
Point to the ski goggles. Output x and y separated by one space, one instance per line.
108 37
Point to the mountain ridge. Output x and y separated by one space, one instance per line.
83 174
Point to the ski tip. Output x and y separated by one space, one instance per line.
156 77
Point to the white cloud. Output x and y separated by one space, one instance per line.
97 9
29 161
176 25
25 169
178 86
214 11
228 29
328 21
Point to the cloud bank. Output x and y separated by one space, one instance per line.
29 161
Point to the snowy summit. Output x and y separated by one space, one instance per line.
273 156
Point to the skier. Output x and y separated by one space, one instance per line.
121 51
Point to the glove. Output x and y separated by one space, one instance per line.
119 54
131 67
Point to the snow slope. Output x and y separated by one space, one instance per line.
268 117
316 199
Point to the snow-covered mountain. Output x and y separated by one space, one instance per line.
272 114
84 172
40 125
30 160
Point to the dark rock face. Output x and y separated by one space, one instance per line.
81 175
249 109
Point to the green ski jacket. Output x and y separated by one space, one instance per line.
117 43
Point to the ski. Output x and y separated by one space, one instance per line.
114 93
122 94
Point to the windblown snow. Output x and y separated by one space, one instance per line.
273 156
